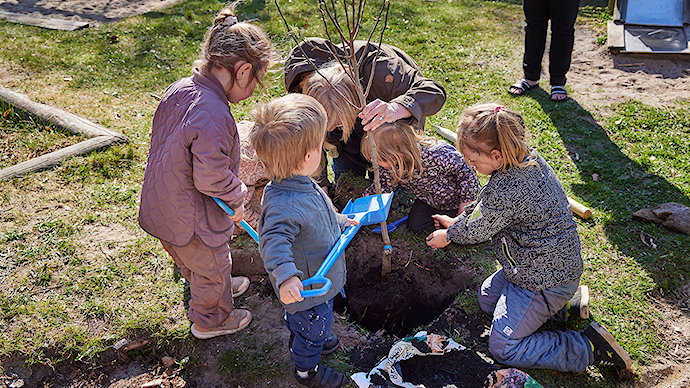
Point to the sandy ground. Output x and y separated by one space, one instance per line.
598 77
91 11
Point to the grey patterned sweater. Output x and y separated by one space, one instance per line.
525 212
446 182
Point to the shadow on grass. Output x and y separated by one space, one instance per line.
622 186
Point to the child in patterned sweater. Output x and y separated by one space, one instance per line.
524 211
433 170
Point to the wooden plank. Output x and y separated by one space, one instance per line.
56 157
69 121
447 133
615 35
53 24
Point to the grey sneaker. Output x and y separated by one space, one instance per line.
322 376
578 306
240 284
606 350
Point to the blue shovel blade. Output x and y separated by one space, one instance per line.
368 210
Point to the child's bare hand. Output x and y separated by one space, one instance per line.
239 214
351 222
438 239
442 220
290 290
462 207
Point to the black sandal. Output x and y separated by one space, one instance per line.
322 376
523 86
558 90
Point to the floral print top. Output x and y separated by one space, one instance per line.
446 182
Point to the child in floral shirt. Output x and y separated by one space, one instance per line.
433 170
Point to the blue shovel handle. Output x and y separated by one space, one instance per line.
244 224
318 291
320 275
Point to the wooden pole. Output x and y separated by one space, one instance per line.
387 250
56 157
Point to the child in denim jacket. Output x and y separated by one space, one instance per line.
297 228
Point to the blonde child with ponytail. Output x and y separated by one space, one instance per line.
433 170
523 209
194 156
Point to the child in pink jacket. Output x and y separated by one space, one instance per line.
194 156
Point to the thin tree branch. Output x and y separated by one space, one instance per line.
386 4
311 62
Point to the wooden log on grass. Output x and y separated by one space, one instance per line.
101 137
63 119
56 157
45 22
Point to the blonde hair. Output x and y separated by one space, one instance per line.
398 145
335 98
228 42
486 127
285 130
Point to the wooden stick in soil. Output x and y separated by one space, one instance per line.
387 252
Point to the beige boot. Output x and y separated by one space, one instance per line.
238 320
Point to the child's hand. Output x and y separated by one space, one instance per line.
239 214
438 239
290 290
351 222
442 220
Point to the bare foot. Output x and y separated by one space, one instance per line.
558 93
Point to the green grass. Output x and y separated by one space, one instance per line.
23 138
78 274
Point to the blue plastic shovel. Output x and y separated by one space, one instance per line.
367 210
244 223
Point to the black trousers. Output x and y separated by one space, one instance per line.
562 14
419 219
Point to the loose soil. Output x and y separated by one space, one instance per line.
417 294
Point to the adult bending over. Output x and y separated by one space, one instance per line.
399 91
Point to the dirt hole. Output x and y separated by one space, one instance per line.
421 285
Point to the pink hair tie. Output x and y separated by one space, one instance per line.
498 108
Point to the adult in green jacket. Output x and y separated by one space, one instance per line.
398 91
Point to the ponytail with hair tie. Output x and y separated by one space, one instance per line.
498 109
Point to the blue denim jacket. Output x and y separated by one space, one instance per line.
297 228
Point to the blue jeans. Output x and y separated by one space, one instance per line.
518 313
311 328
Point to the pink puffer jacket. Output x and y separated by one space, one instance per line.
194 155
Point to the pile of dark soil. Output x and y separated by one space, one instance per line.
468 368
463 368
